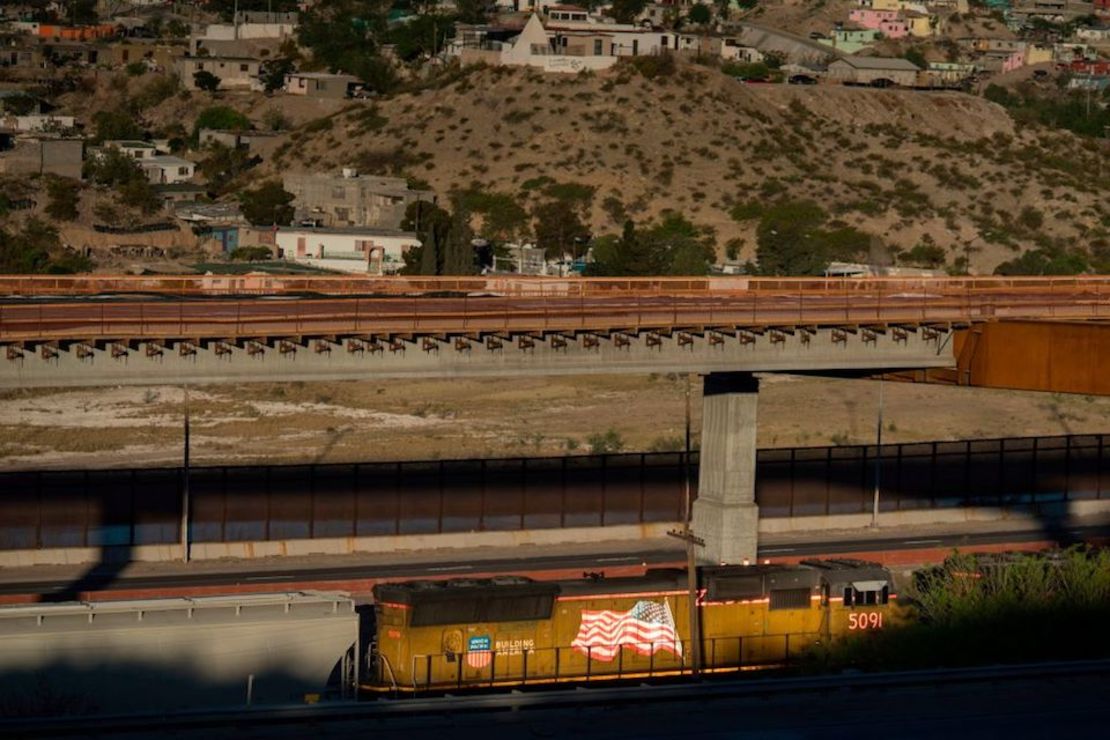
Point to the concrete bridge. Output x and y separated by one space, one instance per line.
87 331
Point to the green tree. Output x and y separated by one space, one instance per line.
274 72
626 11
675 246
205 80
699 14
64 194
914 55
790 240
220 118
20 104
36 248
223 164
503 218
420 36
160 88
267 205
471 11
344 35
115 125
787 239
1045 261
20 258
458 258
112 167
630 254
558 228
432 226
138 193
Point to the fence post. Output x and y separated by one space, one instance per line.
1067 468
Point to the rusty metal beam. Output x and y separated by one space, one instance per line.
1054 356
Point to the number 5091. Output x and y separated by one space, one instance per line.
865 621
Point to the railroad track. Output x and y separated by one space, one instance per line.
317 718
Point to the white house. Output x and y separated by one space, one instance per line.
573 46
137 150
163 169
41 122
354 249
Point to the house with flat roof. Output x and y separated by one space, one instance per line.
163 169
235 73
320 85
349 199
874 71
356 250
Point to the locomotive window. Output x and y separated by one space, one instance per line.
790 598
866 598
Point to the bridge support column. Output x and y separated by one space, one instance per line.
725 513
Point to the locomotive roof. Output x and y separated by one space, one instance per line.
842 571
720 582
424 592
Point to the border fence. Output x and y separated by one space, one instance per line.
129 507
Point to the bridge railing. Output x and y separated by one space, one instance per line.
255 284
772 303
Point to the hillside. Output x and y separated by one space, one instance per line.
908 167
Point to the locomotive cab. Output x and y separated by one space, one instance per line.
859 595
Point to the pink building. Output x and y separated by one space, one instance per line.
886 22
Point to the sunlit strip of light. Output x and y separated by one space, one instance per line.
638 595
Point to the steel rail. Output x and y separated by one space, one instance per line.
386 709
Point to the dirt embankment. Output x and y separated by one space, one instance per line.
907 166
393 420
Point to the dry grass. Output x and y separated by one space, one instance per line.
490 418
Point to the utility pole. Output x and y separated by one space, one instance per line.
878 458
185 487
686 534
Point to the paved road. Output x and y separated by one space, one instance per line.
276 579
923 302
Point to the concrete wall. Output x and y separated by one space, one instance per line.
339 545
763 353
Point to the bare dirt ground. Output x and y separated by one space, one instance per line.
396 420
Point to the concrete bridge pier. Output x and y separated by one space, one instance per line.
725 514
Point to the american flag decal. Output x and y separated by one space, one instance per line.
647 628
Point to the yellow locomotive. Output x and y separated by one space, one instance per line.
508 631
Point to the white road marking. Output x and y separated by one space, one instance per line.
614 560
451 567
779 549
920 542
264 578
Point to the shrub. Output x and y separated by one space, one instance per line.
651 67
607 442
250 254
64 195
